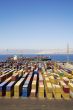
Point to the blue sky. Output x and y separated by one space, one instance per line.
36 24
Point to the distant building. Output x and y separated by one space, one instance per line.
15 57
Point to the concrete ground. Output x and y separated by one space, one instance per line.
35 104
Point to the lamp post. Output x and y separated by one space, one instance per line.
67 53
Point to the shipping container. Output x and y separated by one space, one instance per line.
49 90
27 86
56 91
18 87
15 76
3 87
34 86
5 76
41 87
10 89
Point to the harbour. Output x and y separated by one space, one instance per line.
36 55
27 82
36 77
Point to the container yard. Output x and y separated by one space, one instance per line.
30 80
33 79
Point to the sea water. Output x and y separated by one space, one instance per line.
55 57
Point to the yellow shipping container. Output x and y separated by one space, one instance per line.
9 93
41 88
49 87
33 86
51 78
41 94
56 88
47 79
57 81
49 95
57 95
18 87
0 93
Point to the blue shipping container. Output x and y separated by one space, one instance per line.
2 85
25 90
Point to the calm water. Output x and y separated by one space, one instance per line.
56 57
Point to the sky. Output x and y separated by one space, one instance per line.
36 24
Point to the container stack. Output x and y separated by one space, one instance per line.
46 80
27 86
64 90
34 86
10 89
52 80
41 87
48 86
15 76
18 88
9 74
66 80
20 72
42 79
49 90
56 78
25 75
61 73
45 75
2 78
3 87
5 76
56 91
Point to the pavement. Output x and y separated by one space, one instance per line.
35 104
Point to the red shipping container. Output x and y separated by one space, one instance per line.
66 89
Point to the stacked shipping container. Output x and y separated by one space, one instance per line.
10 89
56 91
64 90
27 86
34 86
41 87
3 87
18 86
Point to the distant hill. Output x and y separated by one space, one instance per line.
32 51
